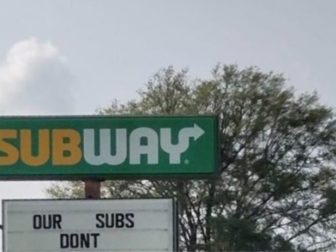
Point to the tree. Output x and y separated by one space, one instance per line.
276 188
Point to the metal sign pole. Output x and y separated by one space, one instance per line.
92 189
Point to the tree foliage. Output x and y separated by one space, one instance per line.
276 188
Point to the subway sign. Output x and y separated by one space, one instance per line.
107 147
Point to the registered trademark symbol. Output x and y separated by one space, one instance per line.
186 161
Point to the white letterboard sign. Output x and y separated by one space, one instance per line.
89 225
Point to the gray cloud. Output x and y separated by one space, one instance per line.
35 80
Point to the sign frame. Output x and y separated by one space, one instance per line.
174 212
211 151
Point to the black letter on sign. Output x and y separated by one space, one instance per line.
37 222
57 219
119 220
95 239
130 219
64 239
100 219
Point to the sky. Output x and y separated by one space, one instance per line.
75 56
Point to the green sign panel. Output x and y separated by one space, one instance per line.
107 147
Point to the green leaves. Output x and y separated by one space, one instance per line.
276 187
238 235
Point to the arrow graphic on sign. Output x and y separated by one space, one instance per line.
194 132
175 150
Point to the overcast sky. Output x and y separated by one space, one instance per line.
73 56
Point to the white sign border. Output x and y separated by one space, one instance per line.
174 212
